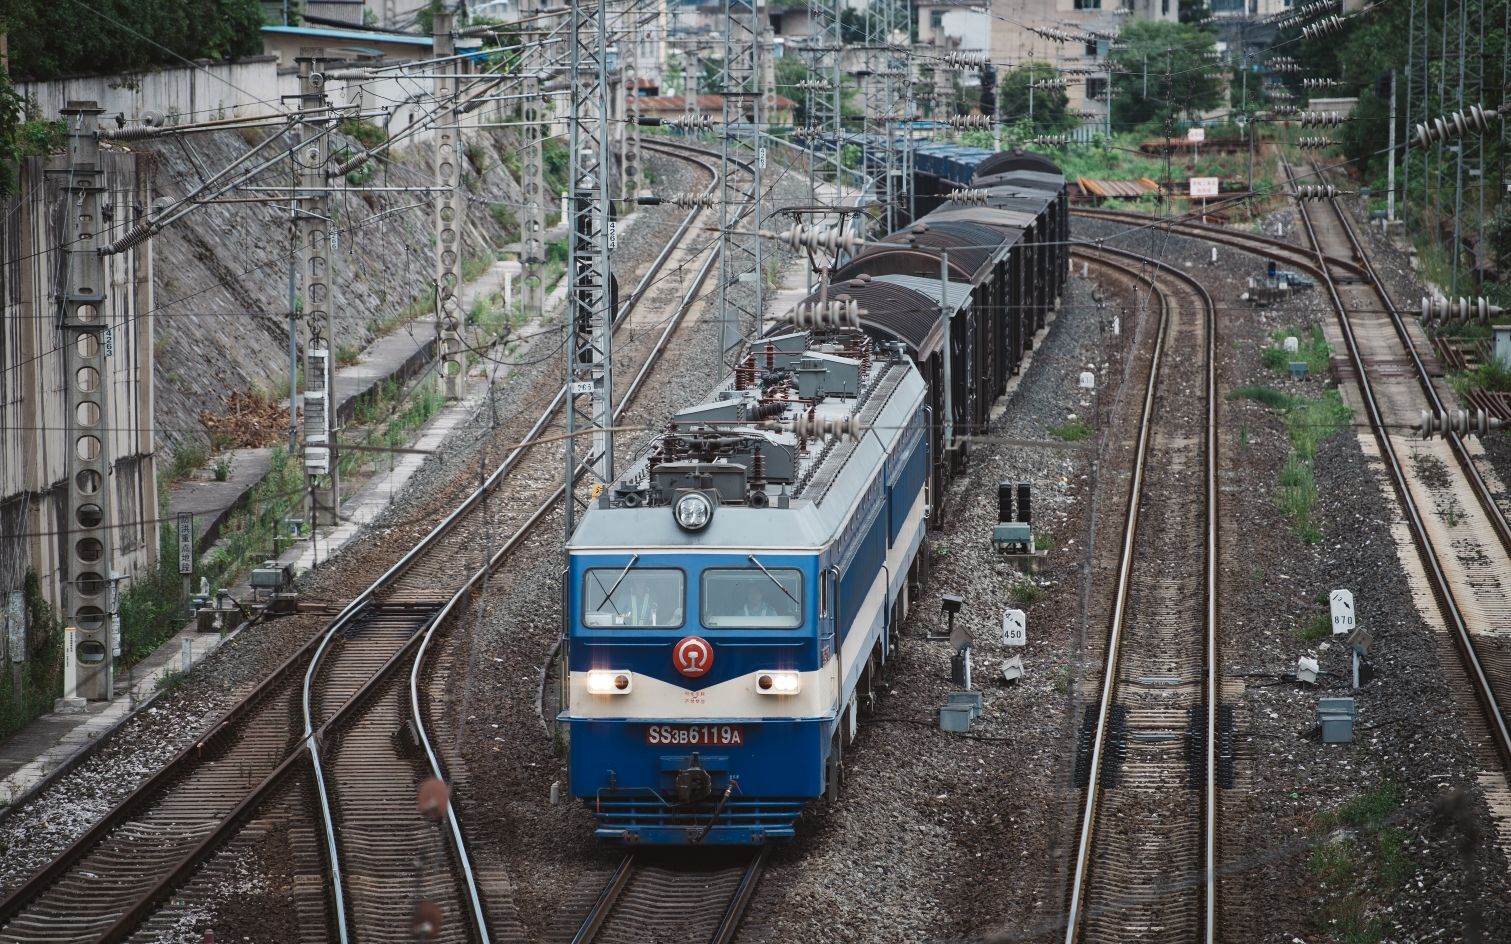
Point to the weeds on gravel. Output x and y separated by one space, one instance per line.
1312 349
1269 396
171 680
1368 850
1320 626
1073 431
1025 592
1298 494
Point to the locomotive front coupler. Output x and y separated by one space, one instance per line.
693 782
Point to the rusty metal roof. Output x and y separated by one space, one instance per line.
1117 188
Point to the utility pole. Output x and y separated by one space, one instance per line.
450 212
739 313
590 311
1390 184
88 669
313 228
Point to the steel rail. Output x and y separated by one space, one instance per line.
327 816
189 755
739 902
1426 550
603 905
1076 912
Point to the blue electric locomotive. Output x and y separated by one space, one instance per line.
732 599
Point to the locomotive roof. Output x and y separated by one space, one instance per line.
832 485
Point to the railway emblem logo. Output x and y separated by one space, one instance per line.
693 656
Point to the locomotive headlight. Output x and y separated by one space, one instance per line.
609 682
779 683
693 511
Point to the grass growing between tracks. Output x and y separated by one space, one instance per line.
1359 859
1312 349
1308 421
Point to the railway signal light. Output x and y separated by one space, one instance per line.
1462 309
1478 423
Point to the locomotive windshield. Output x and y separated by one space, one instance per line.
752 598
616 596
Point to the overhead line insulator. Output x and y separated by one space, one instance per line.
825 427
1323 27
836 313
1455 126
970 121
1462 422
1319 192
1316 143
1052 140
1479 309
814 238
1322 119
970 196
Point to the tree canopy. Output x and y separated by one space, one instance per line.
1170 60
1050 106
68 37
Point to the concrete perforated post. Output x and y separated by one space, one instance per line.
88 662
448 210
314 288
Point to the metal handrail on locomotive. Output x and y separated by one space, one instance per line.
732 598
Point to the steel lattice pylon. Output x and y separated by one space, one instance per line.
740 311
590 310
822 92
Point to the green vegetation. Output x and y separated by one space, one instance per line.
1073 431
1050 107
101 37
28 689
389 414
183 463
1319 627
1149 51
1024 592
22 134
364 133
1269 396
250 537
1312 349
1308 421
1361 861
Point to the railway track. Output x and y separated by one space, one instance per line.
1153 743
365 756
656 899
1461 534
